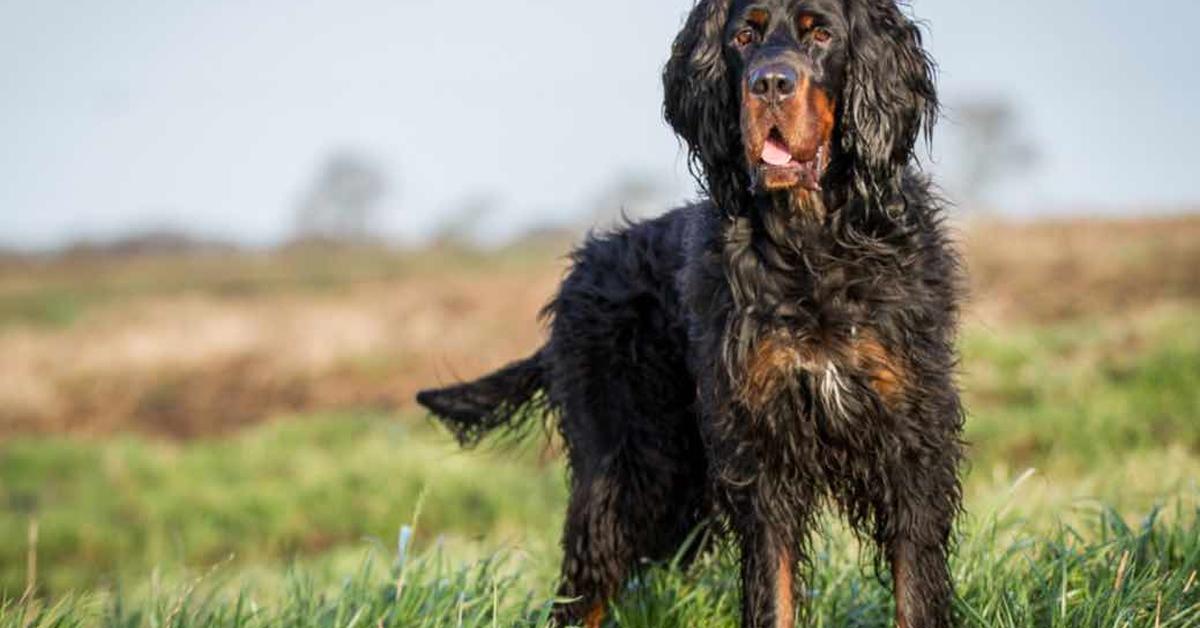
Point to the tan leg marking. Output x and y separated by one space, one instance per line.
595 617
785 608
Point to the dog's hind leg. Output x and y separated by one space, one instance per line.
597 550
629 509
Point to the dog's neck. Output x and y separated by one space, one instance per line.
785 219
770 247
802 205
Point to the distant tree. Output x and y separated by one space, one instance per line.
459 226
343 200
990 147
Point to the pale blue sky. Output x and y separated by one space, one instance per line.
213 114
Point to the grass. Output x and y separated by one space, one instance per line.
289 489
1085 394
1083 491
1105 574
270 527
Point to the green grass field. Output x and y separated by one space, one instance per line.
1083 499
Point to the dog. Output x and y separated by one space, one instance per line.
784 344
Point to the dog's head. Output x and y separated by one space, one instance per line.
796 95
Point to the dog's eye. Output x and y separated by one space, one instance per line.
822 35
745 37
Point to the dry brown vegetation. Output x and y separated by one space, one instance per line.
190 345
1048 271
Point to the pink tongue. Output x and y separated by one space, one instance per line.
775 153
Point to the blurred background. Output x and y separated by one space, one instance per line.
252 123
236 237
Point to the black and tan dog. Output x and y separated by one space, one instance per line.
784 344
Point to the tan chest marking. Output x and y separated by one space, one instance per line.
776 359
886 373
773 361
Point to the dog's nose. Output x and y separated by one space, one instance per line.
773 82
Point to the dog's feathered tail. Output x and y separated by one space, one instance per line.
507 398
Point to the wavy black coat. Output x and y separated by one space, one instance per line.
751 358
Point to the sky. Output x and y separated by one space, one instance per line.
215 115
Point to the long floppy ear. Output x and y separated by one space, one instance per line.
700 102
889 97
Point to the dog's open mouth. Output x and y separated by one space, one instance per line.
779 167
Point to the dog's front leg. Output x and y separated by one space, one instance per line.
922 518
922 585
768 578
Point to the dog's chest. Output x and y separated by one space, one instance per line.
832 372
809 343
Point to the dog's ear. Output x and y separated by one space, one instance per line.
889 97
700 100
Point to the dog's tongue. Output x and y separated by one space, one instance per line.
775 153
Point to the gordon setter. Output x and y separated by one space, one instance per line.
785 343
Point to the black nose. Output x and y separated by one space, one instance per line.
773 82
